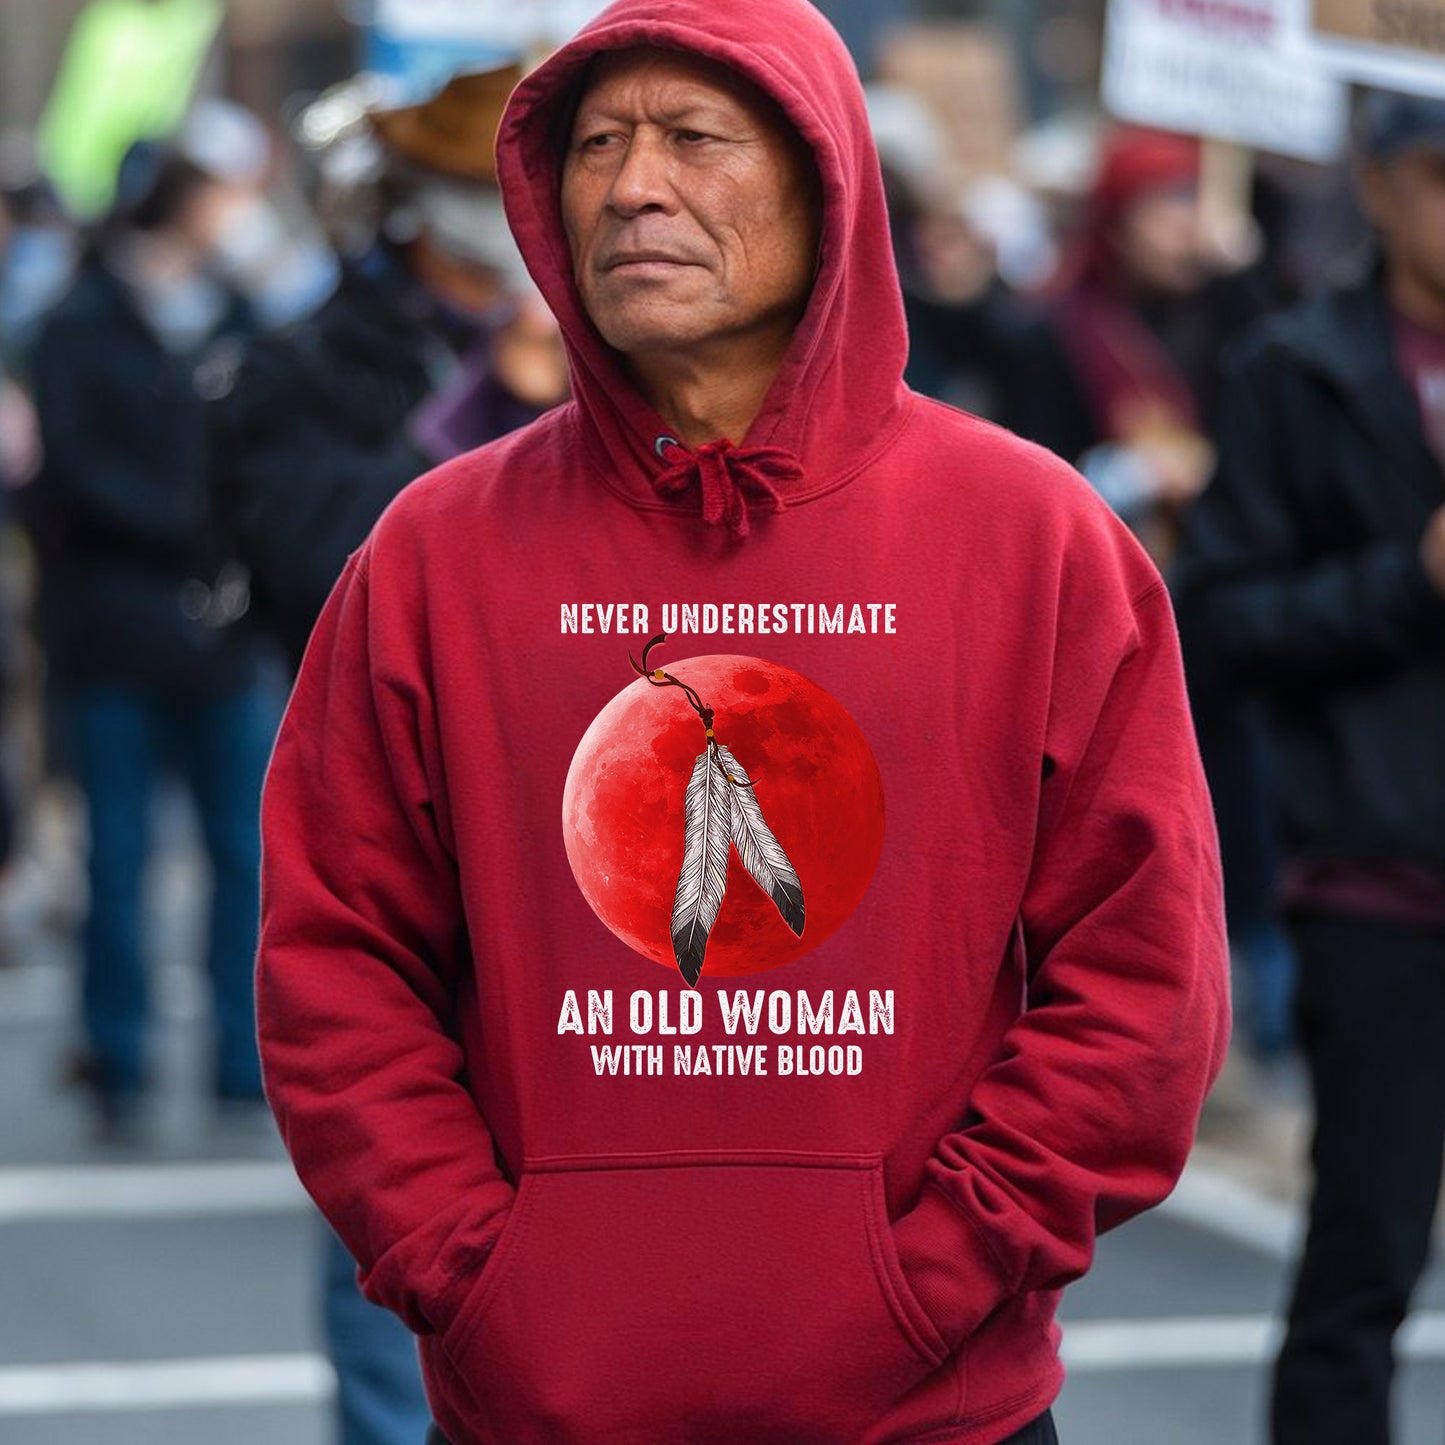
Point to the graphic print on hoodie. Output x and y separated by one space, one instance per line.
829 1191
643 806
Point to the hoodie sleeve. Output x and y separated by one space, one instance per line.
363 940
1087 1114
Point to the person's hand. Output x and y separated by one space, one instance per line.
1181 461
1178 458
1432 550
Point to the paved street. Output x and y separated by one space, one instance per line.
173 1298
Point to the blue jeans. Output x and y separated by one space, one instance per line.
380 1399
1269 966
120 737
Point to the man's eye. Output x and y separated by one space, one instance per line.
596 142
691 137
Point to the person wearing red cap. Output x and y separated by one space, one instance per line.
1121 378
1120 358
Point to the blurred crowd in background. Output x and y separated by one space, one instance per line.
255 276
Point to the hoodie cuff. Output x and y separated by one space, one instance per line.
952 1271
446 1302
429 1294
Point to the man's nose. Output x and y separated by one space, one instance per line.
643 180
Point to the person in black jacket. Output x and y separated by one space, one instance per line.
426 348
1315 565
150 656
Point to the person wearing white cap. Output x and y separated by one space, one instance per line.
279 262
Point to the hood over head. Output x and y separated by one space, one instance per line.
838 397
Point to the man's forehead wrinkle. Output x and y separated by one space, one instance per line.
700 80
668 110
668 96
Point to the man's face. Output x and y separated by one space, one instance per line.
1405 198
690 206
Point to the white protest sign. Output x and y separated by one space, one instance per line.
505 24
1230 70
1397 44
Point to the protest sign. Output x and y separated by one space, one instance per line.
1397 44
1230 70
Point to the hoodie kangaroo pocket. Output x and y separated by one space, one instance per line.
707 1296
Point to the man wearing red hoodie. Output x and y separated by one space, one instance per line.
664 1084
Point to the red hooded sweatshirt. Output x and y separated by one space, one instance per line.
751 1050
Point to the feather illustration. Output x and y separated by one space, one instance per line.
720 811
761 853
700 885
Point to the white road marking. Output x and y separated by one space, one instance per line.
104 1386
72 1193
1095 1346
1210 1199
1090 1347
1098 1346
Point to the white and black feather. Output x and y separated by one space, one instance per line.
761 853
700 884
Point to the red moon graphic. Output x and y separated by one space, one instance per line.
815 779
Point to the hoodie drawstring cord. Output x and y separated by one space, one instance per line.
726 474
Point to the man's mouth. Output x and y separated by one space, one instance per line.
627 259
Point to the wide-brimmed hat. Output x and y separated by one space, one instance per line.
454 132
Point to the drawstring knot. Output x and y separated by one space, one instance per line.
726 475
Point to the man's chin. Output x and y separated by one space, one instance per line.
636 331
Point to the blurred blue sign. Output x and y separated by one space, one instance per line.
420 68
420 44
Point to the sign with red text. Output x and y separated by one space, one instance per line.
1396 44
1232 70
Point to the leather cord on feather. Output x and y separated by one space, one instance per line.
660 678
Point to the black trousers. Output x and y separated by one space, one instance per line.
1371 1016
1038 1432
